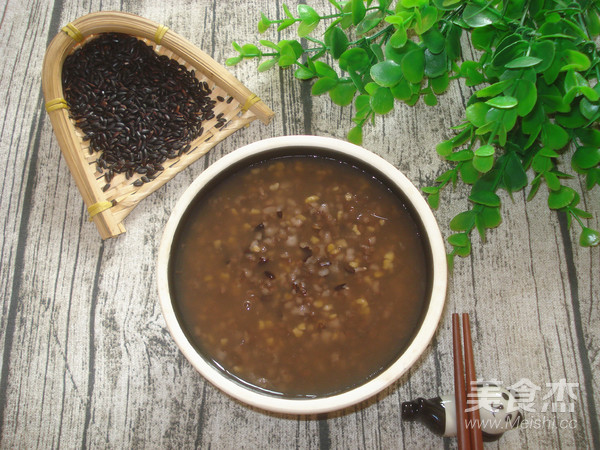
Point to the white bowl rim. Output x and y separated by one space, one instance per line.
355 395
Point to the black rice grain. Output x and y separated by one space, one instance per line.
134 107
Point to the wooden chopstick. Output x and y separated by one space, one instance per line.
464 438
473 414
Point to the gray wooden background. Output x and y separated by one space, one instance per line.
86 360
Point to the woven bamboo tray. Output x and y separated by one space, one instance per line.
108 209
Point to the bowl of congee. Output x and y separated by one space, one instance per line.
302 274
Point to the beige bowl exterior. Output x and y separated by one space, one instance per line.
376 384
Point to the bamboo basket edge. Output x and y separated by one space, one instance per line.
109 221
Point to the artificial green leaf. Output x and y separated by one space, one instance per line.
514 177
506 40
287 56
413 66
483 164
487 128
264 23
358 11
581 213
476 113
490 217
446 176
554 136
428 17
589 237
378 52
444 148
355 135
266 65
453 46
286 24
399 38
324 70
593 22
287 11
347 18
433 200
436 65
478 16
343 93
305 28
382 101
463 221
400 18
307 13
551 73
470 71
362 104
370 21
482 37
494 89
526 95
371 87
561 198
485 150
573 84
523 61
487 198
461 155
507 54
250 50
434 40
294 45
548 152
545 51
402 90
357 80
459 240
575 61
386 73
541 164
269 44
439 84
589 110
468 173
588 136
323 85
304 73
413 3
463 251
572 120
553 103
430 99
430 189
502 102
449 4
336 5
354 59
552 181
233 60
592 178
586 157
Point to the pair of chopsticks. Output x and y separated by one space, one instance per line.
468 425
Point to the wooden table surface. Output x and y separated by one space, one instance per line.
86 357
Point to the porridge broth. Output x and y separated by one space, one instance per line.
301 276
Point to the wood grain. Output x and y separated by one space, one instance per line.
86 358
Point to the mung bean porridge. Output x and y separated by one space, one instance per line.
301 276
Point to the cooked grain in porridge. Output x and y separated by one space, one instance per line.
302 276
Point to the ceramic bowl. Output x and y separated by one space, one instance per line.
370 162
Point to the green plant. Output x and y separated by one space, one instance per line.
536 103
